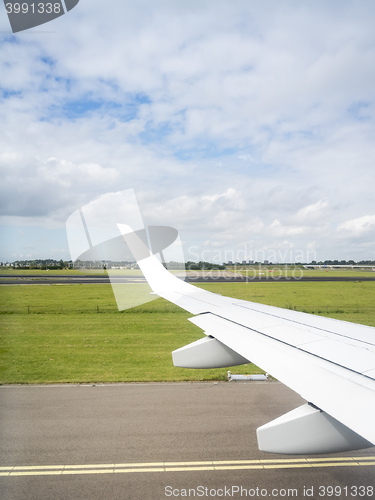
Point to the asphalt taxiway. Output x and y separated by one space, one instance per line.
193 278
156 441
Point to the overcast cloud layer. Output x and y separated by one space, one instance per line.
247 125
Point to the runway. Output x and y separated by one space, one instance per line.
66 280
207 278
155 441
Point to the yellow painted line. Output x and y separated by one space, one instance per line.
282 460
140 469
35 473
39 467
179 469
188 464
287 466
341 464
88 471
239 467
214 465
343 459
95 466
337 464
137 464
218 462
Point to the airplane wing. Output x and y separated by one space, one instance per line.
330 363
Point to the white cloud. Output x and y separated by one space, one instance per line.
232 121
277 229
362 226
313 212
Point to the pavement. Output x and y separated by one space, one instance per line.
192 277
156 441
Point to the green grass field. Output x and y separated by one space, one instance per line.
298 272
6 271
74 333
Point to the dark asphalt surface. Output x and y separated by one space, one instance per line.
143 424
90 279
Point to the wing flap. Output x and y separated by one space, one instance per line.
350 353
343 329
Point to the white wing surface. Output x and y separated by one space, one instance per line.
330 363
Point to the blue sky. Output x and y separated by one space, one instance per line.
247 125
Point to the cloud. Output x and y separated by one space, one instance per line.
277 229
316 211
235 122
356 228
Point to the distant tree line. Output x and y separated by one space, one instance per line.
343 263
189 265
42 264
200 266
62 264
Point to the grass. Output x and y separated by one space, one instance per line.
6 271
349 301
290 271
96 348
74 333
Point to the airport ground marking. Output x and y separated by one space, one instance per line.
214 465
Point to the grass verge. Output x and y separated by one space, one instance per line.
74 333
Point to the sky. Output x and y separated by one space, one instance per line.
247 125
